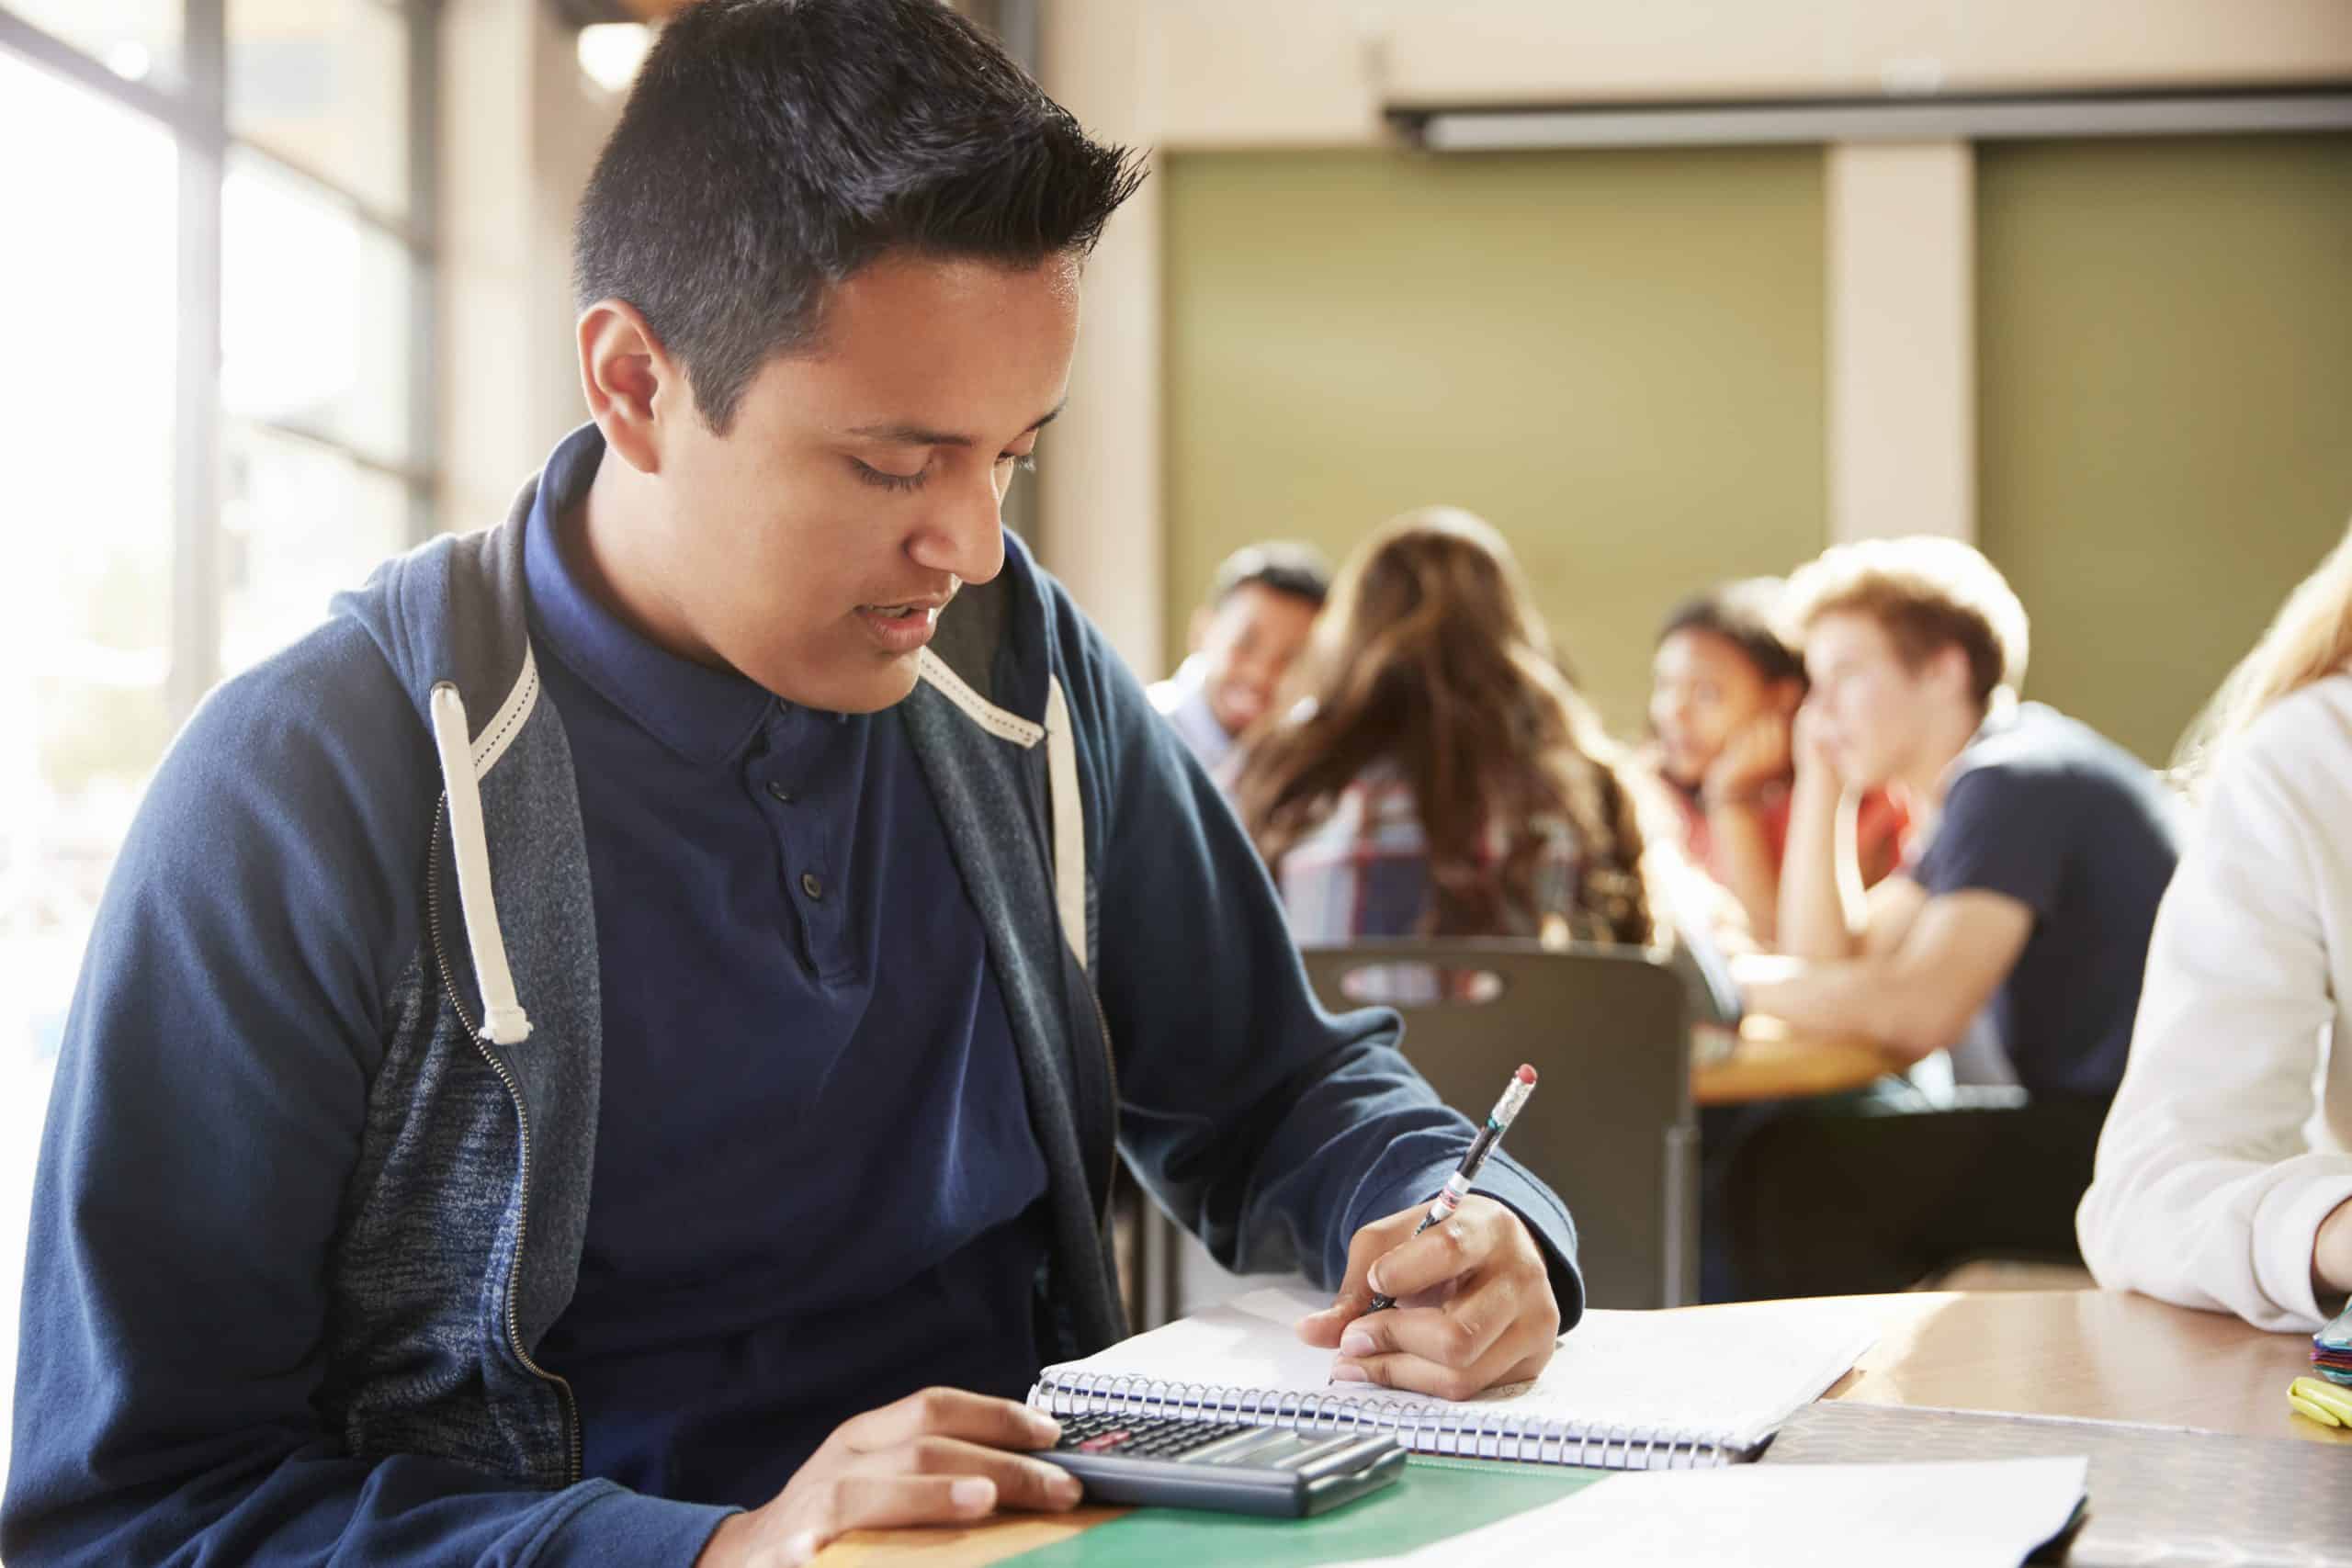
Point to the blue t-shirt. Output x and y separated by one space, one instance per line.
2054 815
816 1186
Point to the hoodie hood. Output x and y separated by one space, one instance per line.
443 614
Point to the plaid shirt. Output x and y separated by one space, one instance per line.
1363 872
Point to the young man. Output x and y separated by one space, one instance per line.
606 1030
1244 640
1723 695
2046 850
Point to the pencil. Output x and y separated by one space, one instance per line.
1457 1186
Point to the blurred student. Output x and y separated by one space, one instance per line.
1244 640
1723 695
2224 1176
1440 776
2046 848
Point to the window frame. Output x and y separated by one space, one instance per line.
195 112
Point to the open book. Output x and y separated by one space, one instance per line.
1625 1390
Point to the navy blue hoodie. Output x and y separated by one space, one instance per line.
316 1174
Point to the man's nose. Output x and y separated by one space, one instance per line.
1258 669
963 534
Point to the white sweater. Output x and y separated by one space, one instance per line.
2230 1138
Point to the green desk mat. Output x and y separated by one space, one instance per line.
1434 1498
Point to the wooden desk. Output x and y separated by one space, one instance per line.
2102 1355
1771 1061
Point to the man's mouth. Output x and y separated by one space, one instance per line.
903 628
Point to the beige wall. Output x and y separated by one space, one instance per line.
520 129
1900 230
1098 512
1232 73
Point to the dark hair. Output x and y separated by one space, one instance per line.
1744 613
772 148
1296 569
1432 660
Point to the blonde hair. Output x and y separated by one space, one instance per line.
2309 639
1929 593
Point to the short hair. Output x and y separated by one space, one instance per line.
1744 613
1929 593
1286 568
772 148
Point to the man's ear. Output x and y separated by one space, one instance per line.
1788 695
630 381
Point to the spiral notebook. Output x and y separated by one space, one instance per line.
1625 1389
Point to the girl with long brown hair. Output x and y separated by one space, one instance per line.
1439 774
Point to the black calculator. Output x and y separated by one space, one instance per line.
1160 1461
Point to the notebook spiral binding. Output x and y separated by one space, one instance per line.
1493 1434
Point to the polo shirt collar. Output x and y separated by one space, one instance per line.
705 715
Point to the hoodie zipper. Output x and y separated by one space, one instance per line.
1111 1061
522 1123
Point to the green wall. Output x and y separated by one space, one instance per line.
2166 405
1616 358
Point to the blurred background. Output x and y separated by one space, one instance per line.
1669 292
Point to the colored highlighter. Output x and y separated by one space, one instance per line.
2320 1402
1457 1186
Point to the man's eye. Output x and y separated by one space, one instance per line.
1024 461
884 479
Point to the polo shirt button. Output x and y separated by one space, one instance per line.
783 795
810 885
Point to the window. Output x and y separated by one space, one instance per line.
224 236
139 41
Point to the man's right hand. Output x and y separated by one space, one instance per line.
1816 765
937 1457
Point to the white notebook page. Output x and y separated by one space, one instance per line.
1733 1376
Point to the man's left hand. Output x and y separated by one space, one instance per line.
1475 1304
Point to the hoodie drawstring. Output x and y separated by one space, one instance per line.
1070 821
503 1022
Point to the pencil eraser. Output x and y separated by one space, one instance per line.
1526 1073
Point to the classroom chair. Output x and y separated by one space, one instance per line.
1610 1127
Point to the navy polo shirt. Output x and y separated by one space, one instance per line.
2047 811
816 1186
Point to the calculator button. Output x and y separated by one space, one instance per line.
1102 1441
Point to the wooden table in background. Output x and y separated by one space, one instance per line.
2102 1355
1773 1061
